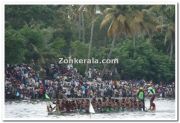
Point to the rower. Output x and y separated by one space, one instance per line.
99 105
151 92
104 104
123 104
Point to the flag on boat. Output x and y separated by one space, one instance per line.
91 109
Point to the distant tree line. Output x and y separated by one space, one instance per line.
142 37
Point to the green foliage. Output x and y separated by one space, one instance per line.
79 49
14 47
148 62
58 45
45 33
18 16
33 40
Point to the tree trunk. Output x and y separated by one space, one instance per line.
171 51
134 45
112 47
90 43
109 55
79 27
134 42
162 24
83 28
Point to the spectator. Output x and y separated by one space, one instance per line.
24 82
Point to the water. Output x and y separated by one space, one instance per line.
165 110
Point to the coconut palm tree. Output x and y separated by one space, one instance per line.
170 39
126 21
92 11
166 25
119 24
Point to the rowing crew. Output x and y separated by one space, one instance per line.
99 105
105 104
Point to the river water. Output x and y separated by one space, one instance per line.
26 110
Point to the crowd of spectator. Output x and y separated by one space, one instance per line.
24 82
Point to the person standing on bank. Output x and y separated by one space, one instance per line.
141 96
152 94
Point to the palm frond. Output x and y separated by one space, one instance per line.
109 10
106 20
110 29
121 18
139 17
